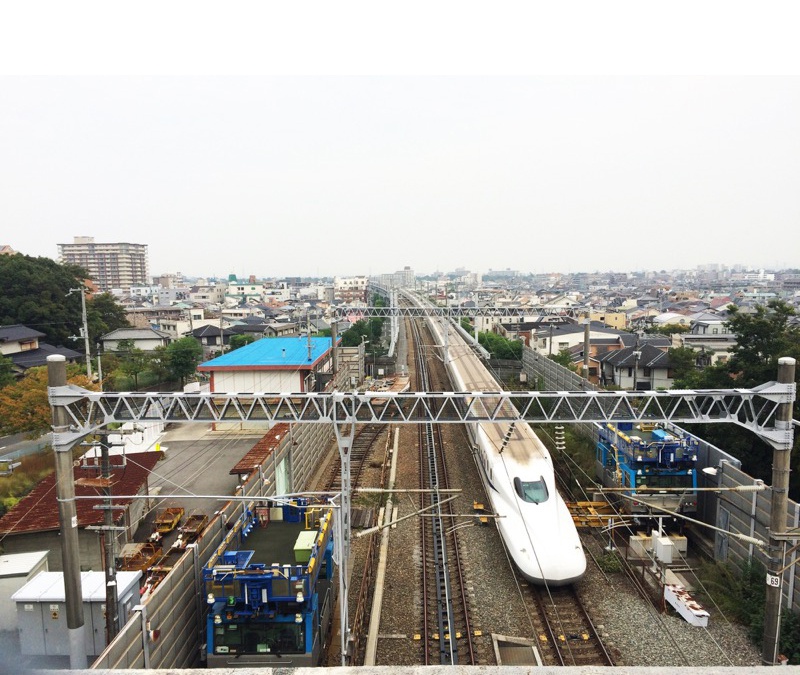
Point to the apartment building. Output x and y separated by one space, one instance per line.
118 265
350 289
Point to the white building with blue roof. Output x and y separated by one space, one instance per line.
281 364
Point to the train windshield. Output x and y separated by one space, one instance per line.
258 638
534 492
681 480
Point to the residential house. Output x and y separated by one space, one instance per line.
22 345
208 294
211 336
637 367
240 313
618 320
711 338
149 317
146 339
178 328
671 319
551 338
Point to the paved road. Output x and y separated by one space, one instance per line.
197 461
14 447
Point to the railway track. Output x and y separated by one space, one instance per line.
568 636
447 633
359 452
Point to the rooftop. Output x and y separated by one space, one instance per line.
272 353
18 332
38 510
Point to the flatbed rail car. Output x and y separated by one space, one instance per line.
269 589
168 519
192 528
661 459
138 556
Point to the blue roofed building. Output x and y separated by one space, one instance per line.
281 364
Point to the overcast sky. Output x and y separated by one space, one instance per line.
358 152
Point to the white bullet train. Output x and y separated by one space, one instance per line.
517 472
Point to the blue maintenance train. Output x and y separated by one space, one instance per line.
653 456
270 590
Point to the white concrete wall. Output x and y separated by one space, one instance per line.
277 381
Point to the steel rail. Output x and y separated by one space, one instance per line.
563 606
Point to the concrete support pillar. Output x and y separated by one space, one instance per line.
781 457
68 519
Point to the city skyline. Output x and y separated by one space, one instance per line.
485 271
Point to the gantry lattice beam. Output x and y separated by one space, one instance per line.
456 312
754 409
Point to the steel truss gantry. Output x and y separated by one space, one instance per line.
456 312
754 409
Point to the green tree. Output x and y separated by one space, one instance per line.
500 347
564 358
761 339
133 361
683 363
159 363
667 329
34 292
6 371
183 356
104 314
375 332
352 336
241 340
24 406
110 363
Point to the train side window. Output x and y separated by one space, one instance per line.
534 492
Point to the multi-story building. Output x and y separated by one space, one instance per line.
111 266
350 289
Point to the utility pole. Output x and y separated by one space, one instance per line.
586 346
68 520
99 367
84 329
781 456
334 349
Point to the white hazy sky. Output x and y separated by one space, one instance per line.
359 137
